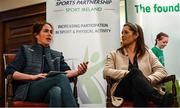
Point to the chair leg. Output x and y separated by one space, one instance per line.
108 102
108 94
75 92
175 102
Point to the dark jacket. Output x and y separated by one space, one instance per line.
29 60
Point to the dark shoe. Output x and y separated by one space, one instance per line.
168 100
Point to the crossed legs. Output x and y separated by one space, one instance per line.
55 90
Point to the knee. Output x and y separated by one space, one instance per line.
136 72
55 90
55 95
137 76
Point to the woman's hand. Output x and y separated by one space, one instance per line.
149 80
72 73
22 76
82 67
38 76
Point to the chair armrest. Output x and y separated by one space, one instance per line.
169 78
174 92
173 79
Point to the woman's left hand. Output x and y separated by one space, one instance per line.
82 67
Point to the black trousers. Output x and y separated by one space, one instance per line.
135 87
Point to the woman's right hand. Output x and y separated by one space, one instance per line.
22 76
38 76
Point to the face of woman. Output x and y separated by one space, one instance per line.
45 36
128 38
163 42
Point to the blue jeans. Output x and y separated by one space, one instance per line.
55 90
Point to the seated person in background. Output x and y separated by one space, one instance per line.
136 71
161 42
31 65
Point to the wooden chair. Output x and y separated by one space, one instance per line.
129 103
8 58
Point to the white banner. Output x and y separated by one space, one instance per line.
86 30
159 16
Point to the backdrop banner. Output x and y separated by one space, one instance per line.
159 16
86 30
